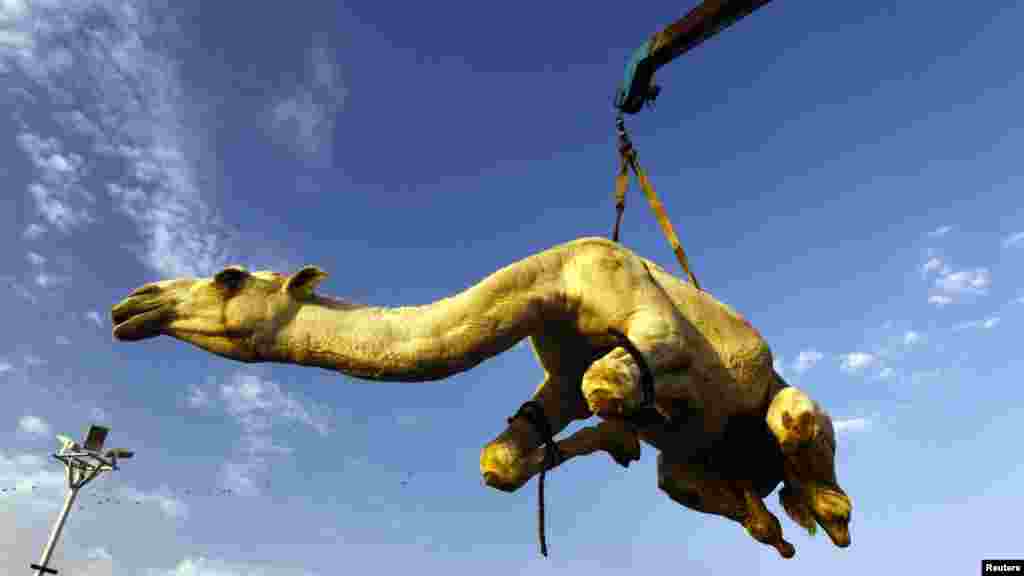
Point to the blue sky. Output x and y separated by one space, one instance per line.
846 175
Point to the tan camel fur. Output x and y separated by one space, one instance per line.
710 366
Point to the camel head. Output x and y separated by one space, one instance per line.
236 313
811 492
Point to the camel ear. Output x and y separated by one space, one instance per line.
231 277
302 283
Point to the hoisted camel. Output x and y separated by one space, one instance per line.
599 317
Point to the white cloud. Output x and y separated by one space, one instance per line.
806 360
974 281
102 71
197 397
932 265
94 317
34 425
851 425
886 373
201 566
260 444
307 117
5 366
910 338
171 506
949 286
987 323
35 259
1014 240
33 231
255 402
856 361
940 231
99 553
47 280
58 193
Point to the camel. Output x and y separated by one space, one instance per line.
589 307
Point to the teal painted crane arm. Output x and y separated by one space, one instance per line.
703 22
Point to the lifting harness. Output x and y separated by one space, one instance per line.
701 23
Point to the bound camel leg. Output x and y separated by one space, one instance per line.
612 385
505 461
614 437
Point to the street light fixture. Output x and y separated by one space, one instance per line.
82 464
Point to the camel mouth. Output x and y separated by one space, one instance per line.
838 531
835 523
134 320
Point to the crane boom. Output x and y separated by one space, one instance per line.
704 21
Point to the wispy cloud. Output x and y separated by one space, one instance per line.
1015 239
933 264
856 361
34 426
94 317
35 259
976 281
98 66
201 566
59 196
307 116
940 231
886 373
256 403
851 425
33 231
5 366
98 553
911 337
950 286
990 322
806 360
197 397
171 506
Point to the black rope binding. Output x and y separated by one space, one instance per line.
646 376
533 412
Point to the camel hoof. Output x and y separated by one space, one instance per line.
786 550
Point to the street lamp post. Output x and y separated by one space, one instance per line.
82 464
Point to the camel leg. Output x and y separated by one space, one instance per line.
615 437
688 481
612 384
761 524
504 461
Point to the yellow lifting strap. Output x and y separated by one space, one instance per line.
628 160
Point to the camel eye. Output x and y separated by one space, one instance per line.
230 278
